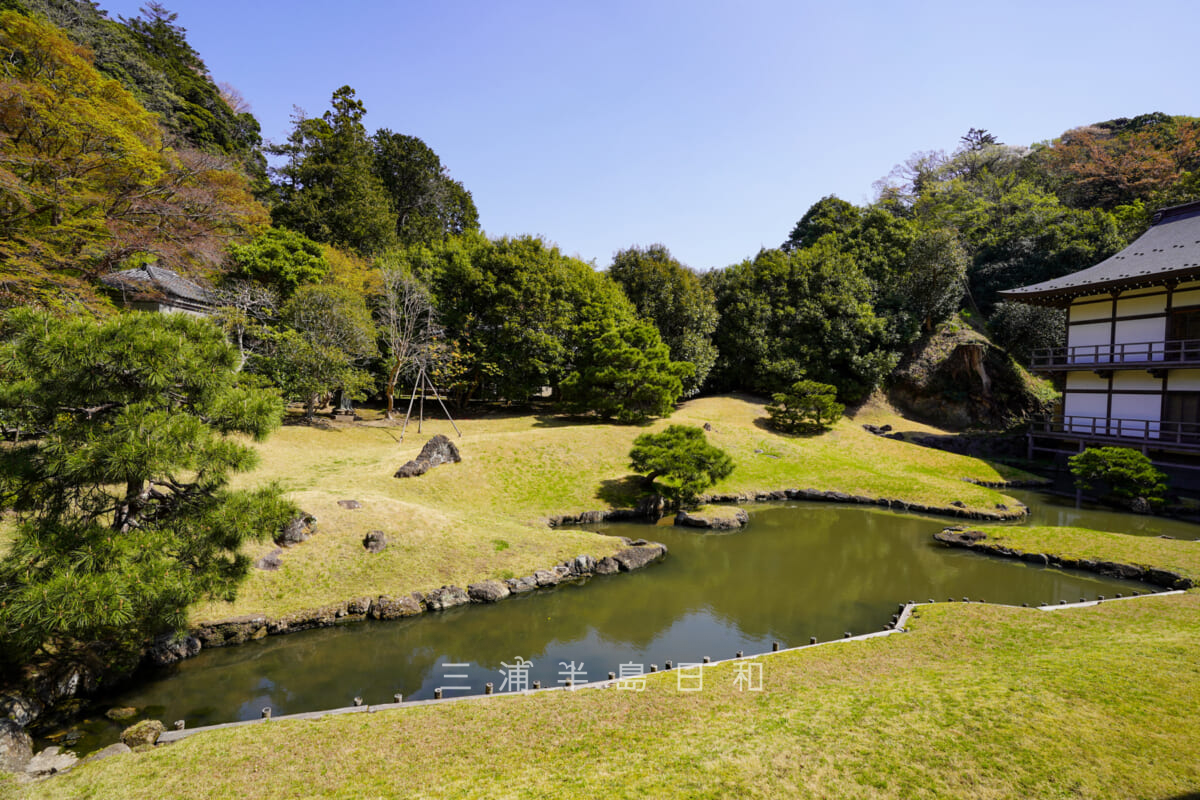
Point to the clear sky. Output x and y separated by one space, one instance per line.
707 126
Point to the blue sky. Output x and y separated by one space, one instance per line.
707 126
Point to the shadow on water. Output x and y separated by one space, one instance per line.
797 570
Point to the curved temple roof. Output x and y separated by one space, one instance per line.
1169 250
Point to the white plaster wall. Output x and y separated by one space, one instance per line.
1127 306
1185 298
1088 311
1148 332
1136 379
1083 405
1087 380
1127 407
1095 334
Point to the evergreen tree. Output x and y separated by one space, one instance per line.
683 456
124 515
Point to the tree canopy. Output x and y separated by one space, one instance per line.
683 456
124 515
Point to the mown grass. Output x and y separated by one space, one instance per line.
976 702
1177 555
518 470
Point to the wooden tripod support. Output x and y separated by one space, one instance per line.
422 383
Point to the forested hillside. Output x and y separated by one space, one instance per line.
340 259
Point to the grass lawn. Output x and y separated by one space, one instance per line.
485 517
1177 555
976 702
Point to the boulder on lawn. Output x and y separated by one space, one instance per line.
375 542
438 450
299 528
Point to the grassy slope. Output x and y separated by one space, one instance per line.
978 701
1179 556
484 518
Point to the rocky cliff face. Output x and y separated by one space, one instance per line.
955 378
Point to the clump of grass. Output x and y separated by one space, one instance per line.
500 545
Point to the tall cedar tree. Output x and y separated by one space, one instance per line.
124 515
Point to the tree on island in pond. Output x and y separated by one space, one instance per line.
1126 473
806 407
683 456
123 513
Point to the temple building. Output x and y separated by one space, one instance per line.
1130 369
154 288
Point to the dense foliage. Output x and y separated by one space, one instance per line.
1121 473
683 456
672 297
124 515
624 372
806 407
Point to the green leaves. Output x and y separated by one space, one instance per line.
806 407
1120 472
683 456
124 515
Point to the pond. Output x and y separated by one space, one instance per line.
797 570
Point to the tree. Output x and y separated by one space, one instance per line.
1124 472
1021 328
407 325
328 335
124 514
86 182
280 259
683 456
933 277
327 188
671 296
429 204
624 372
243 310
806 407
784 317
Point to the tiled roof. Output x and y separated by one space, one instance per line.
154 280
1170 249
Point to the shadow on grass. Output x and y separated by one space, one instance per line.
763 423
622 492
570 420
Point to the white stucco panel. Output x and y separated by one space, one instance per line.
1127 306
1135 379
1093 338
1184 380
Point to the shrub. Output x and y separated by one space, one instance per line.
1127 474
806 407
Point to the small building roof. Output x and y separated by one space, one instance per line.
1169 250
154 282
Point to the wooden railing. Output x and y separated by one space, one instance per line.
1125 432
1172 353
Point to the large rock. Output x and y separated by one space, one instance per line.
16 746
302 526
582 565
652 507
446 597
50 761
950 536
118 749
385 607
713 519
145 732
545 577
438 450
271 561
487 592
169 648
633 558
607 566
521 585
67 683
20 709
375 542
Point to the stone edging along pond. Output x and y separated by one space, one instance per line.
976 540
638 554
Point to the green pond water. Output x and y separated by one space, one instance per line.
797 570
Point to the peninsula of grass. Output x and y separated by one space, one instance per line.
975 701
518 470
1175 555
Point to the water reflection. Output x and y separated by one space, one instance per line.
796 571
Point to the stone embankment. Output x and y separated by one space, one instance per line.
639 553
977 540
